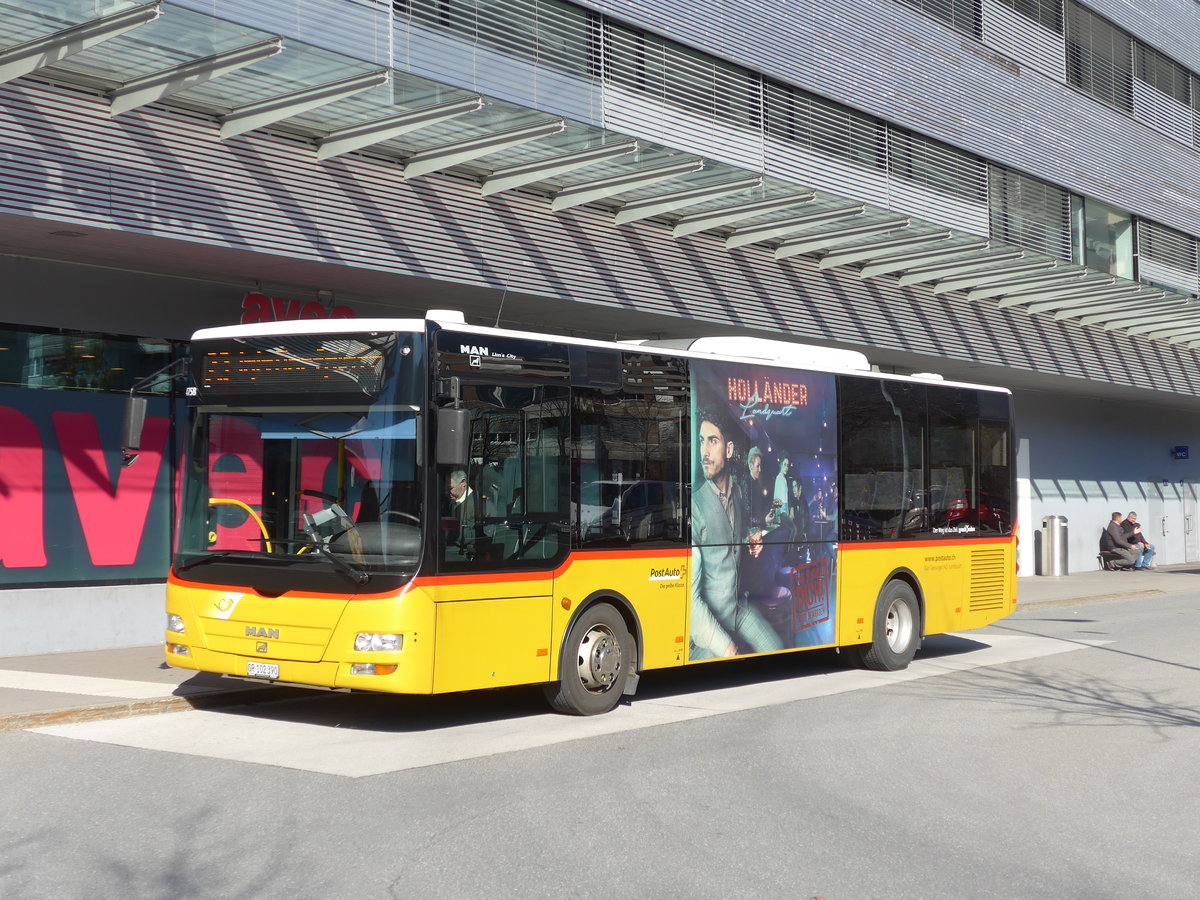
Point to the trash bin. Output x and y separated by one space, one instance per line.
1054 546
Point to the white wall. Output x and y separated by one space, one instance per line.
52 620
1089 458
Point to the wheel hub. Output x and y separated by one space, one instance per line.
599 659
899 624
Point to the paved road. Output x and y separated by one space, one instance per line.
1052 755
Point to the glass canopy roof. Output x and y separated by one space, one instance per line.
151 51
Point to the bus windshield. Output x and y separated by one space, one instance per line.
318 488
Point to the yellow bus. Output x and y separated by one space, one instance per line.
420 506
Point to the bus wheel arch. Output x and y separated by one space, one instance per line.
599 657
898 625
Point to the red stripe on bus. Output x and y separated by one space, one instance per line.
178 581
579 557
464 578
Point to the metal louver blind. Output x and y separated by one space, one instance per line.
1047 13
681 76
1195 80
1030 213
936 165
823 126
549 32
1163 73
960 14
711 87
1168 258
1033 40
1162 93
1099 57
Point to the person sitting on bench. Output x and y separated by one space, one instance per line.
1136 537
1114 541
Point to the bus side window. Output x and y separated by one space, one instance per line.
883 492
952 478
517 479
628 472
995 504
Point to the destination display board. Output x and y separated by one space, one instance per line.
350 367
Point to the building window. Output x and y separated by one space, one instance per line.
702 83
683 77
824 126
1195 85
936 165
963 15
62 400
1029 213
1164 74
81 361
1047 13
1167 258
548 32
1099 58
1102 237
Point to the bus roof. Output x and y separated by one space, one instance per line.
742 348
308 326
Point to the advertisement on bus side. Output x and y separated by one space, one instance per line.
764 509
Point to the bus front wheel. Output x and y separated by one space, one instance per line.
897 630
594 664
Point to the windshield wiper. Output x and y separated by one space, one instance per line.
212 557
312 523
355 574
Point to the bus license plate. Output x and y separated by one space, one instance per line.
262 670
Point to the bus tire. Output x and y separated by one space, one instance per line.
897 630
594 665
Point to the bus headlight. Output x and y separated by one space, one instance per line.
175 623
369 641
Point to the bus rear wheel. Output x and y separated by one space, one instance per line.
594 664
896 634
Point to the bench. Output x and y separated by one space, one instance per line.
1111 561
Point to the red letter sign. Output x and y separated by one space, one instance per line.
22 542
113 516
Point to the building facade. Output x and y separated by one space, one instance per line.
998 191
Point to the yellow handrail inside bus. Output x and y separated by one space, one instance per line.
222 501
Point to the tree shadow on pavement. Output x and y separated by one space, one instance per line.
1075 697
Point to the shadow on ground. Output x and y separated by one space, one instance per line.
400 714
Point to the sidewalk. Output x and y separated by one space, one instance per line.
112 684
1095 585
133 681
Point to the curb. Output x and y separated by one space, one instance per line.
126 709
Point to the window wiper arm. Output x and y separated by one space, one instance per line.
211 557
321 544
355 574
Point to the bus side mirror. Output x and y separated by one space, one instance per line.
131 428
453 436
